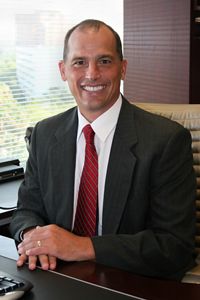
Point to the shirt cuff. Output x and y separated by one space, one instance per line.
21 237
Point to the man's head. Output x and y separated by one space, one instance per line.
95 25
93 65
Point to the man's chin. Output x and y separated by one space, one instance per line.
93 103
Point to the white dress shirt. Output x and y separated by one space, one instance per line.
104 128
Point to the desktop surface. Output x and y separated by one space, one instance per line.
50 285
140 287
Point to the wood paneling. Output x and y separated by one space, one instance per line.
157 47
195 53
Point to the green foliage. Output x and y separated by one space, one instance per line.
7 63
16 114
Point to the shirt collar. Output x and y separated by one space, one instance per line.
104 124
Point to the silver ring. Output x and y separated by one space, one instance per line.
39 244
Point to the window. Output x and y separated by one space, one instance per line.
31 44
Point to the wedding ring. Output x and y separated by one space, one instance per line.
39 244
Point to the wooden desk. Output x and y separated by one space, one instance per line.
126 282
115 279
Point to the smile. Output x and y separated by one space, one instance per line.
93 88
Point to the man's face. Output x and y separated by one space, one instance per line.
93 70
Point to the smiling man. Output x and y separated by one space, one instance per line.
106 181
93 68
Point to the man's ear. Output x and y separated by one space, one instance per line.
123 69
62 69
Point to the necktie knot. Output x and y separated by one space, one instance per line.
89 134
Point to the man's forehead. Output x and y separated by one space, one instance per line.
85 40
87 31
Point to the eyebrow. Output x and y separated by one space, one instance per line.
105 56
97 57
78 58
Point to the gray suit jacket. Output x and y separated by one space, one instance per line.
149 207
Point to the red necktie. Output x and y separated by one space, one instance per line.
86 212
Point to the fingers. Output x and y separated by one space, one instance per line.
46 262
25 246
21 260
31 241
52 262
37 242
33 248
32 260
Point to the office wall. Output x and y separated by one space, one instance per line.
157 46
195 53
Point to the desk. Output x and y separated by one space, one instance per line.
114 279
8 200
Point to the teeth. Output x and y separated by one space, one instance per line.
93 88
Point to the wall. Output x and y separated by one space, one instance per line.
157 46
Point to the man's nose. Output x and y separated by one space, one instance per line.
93 72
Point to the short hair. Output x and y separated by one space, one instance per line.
96 24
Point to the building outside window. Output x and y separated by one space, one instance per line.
31 44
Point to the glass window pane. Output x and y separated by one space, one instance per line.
31 44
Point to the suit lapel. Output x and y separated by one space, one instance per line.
121 165
62 159
120 170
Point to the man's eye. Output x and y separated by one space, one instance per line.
105 61
79 63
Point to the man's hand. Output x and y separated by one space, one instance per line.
46 262
51 242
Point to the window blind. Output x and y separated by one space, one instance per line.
31 44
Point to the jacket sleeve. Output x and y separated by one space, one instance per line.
30 210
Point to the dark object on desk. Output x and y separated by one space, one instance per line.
4 163
11 172
13 287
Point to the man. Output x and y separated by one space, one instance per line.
146 183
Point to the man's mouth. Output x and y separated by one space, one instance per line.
96 88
